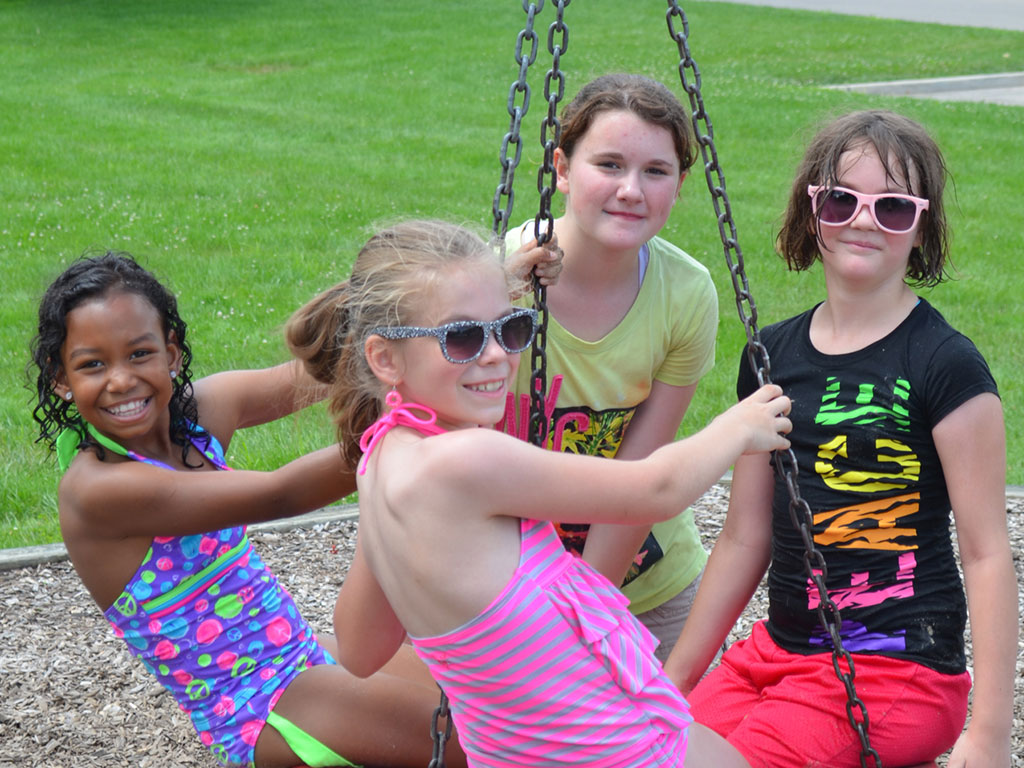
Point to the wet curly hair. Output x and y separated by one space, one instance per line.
909 155
93 277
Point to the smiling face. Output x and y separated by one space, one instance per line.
463 394
621 181
858 254
116 362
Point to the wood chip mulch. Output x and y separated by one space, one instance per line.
70 695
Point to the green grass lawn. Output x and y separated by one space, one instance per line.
244 150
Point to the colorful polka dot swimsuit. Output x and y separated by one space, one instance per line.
216 628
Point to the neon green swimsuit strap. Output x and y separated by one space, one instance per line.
70 438
309 749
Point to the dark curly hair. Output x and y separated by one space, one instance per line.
91 277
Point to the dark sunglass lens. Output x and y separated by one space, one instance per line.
465 342
837 206
895 213
517 333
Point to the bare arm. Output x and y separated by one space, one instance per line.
611 548
571 488
972 446
737 564
368 632
233 400
129 499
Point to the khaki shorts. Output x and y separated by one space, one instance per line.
666 621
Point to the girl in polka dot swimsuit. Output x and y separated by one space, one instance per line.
156 530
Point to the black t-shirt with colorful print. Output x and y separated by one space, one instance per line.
870 472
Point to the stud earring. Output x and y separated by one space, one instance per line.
68 396
174 374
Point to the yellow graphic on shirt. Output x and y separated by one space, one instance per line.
906 466
884 410
590 433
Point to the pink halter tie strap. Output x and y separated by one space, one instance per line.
400 415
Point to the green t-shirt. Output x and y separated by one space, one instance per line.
594 388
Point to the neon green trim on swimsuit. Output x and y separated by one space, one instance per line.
196 583
67 447
309 750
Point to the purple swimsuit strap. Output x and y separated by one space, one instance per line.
400 415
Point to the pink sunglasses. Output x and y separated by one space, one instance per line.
891 211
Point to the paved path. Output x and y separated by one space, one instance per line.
998 14
1005 89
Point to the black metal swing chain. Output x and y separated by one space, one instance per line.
544 223
504 196
440 736
785 461
518 106
543 226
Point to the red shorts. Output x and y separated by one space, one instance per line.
785 710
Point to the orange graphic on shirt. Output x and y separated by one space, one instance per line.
870 525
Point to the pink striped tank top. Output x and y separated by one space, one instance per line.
556 671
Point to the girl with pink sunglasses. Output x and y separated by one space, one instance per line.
897 424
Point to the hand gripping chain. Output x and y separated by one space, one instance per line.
785 461
504 198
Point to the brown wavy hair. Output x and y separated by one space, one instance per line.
646 98
393 275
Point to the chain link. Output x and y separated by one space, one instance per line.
785 461
504 199
504 196
518 106
544 223
440 737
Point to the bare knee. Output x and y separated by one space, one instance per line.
704 747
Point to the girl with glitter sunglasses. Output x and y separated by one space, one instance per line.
540 657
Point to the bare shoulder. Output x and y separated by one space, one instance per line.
83 483
96 493
474 455
97 505
459 462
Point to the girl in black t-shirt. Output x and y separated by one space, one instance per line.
897 423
